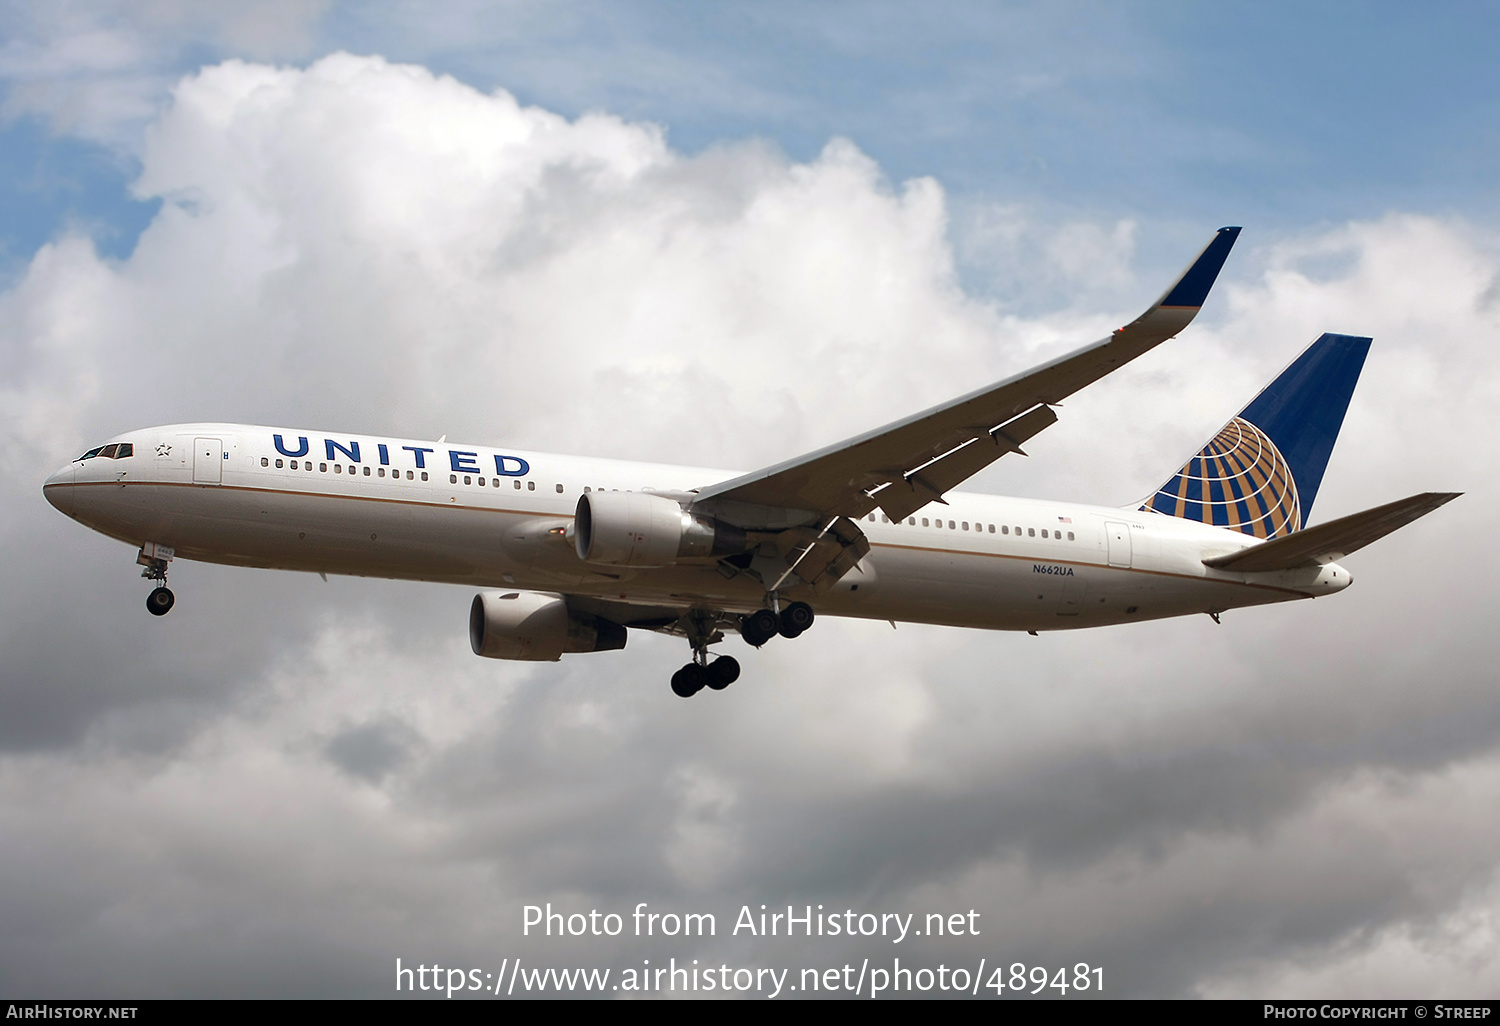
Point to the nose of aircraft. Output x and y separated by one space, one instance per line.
59 488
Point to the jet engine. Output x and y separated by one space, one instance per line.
642 529
531 625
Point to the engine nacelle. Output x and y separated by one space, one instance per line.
642 529
530 625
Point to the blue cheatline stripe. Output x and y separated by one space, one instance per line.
1192 288
1303 409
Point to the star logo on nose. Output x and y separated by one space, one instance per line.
164 449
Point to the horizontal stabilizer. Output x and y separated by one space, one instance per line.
1313 546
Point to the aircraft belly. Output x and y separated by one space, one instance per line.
1009 592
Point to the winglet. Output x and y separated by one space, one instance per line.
1192 288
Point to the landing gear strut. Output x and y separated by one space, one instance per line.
702 631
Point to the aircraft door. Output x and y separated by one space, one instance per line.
208 460
1119 544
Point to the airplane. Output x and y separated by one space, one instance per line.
571 552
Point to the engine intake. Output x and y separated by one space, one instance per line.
642 529
533 626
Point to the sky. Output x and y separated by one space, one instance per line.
724 235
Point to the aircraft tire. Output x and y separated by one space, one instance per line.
688 681
759 627
795 619
723 672
160 601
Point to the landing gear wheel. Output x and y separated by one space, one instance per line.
160 601
689 680
723 672
759 627
795 619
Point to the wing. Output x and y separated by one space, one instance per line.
1334 540
905 465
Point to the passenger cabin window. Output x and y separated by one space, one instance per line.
559 489
1031 532
531 486
266 462
323 467
424 475
1070 536
924 521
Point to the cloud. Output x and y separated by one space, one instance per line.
286 784
101 70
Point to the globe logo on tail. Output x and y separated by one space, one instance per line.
1240 480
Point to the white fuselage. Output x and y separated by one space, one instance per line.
475 515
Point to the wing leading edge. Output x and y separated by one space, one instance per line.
903 466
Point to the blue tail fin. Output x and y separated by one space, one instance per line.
1261 472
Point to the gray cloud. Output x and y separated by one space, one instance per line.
286 784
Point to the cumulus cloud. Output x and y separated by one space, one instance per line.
286 784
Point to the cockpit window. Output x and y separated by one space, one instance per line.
115 451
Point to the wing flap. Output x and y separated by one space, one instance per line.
909 491
1326 543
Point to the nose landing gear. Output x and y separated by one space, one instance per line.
155 558
160 601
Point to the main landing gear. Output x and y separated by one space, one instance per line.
762 625
759 627
701 627
696 676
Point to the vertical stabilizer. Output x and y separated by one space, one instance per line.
1261 472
